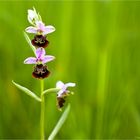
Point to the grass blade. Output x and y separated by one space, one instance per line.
60 123
29 42
27 91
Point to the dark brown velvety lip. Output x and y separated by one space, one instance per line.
40 41
40 71
60 102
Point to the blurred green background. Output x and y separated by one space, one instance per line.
97 46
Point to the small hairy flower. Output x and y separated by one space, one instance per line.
40 71
40 41
40 58
63 92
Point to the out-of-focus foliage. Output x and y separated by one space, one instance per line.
97 46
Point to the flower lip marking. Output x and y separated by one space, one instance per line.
41 58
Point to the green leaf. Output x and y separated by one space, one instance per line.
53 90
27 91
60 123
29 42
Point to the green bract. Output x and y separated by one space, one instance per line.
27 91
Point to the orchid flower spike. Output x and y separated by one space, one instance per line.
41 58
40 28
63 92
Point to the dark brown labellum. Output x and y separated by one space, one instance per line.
40 71
40 41
60 102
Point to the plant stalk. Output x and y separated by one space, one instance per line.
42 121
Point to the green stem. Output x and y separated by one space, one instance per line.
42 111
51 90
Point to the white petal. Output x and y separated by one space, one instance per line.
32 16
59 93
30 60
31 29
59 84
48 58
48 29
70 85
